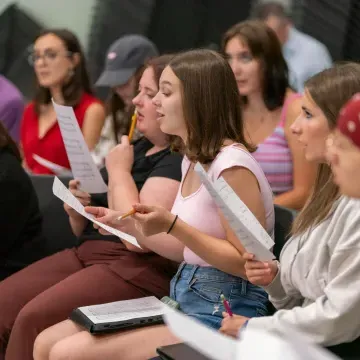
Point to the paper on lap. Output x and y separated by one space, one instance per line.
81 162
207 341
253 343
278 345
247 228
60 190
55 168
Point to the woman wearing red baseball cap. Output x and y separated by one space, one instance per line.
343 151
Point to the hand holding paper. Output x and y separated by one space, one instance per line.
247 228
258 272
203 339
254 343
60 190
82 164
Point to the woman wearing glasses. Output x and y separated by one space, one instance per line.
61 74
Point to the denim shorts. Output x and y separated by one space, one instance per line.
198 290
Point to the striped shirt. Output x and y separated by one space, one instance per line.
274 156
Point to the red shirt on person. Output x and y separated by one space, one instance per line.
51 146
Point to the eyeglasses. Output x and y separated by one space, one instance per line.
48 56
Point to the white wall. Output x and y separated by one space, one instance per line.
75 15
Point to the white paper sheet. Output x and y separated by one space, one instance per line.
253 343
61 191
124 310
81 162
55 168
247 228
278 346
207 341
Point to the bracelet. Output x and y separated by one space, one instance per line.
172 225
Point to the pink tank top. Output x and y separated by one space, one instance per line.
200 211
274 155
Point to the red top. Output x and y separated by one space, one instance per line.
51 146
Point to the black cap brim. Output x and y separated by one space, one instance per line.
115 78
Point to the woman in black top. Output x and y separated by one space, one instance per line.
20 220
102 268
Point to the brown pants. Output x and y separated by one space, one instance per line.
45 292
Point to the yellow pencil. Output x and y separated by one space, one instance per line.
132 127
131 212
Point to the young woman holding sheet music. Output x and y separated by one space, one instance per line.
20 221
316 289
199 102
61 74
101 268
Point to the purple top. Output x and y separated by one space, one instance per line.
11 107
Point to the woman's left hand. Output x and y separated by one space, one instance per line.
231 325
121 157
106 216
152 220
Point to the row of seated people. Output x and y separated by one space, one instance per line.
194 96
269 109
258 63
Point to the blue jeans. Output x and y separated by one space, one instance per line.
198 290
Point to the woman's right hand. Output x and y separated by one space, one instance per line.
258 272
82 196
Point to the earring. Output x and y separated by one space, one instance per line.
71 72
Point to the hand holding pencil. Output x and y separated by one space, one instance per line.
132 126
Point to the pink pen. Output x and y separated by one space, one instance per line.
226 305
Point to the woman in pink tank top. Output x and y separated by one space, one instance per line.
269 109
199 103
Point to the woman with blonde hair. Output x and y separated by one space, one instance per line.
316 288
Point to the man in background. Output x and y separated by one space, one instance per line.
304 55
11 107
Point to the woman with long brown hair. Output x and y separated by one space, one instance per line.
62 75
270 107
20 219
198 101
316 288
100 268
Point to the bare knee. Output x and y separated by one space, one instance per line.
42 346
63 351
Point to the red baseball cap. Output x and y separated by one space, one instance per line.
349 119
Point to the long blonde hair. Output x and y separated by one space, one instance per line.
329 89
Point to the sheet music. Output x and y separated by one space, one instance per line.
124 310
247 228
82 164
55 168
207 341
278 346
254 343
64 194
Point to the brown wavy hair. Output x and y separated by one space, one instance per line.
330 90
211 103
77 84
264 46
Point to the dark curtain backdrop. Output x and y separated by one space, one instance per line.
173 25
